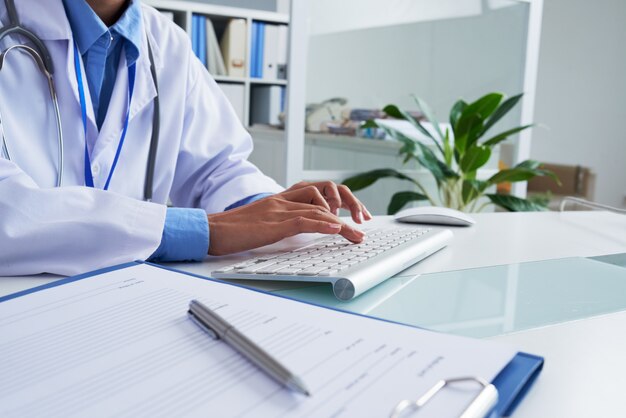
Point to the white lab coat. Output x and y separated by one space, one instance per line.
201 159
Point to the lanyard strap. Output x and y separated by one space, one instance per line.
83 110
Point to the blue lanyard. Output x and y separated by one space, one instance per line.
83 108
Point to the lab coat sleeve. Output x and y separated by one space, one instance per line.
212 170
70 230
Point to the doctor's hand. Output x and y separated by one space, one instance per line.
337 196
266 221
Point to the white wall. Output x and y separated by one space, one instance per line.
581 91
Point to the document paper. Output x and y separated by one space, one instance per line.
121 344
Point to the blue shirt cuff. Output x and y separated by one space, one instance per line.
248 200
185 236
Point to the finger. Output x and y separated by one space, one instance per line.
313 212
331 194
308 194
350 202
352 234
347 231
302 224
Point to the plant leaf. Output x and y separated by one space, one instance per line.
474 158
532 164
472 189
504 135
394 111
438 168
515 204
523 171
426 110
400 199
447 149
466 131
512 175
363 180
501 111
536 165
456 111
486 105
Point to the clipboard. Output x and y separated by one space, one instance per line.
512 383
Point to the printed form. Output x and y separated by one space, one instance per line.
121 344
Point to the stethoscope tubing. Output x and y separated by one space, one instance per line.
40 54
53 97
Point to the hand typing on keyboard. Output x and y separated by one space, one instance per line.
305 207
351 268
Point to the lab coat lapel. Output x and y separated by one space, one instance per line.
47 19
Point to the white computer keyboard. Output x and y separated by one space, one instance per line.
351 268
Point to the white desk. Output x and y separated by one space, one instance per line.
585 363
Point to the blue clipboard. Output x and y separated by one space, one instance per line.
513 382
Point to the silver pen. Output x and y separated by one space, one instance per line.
218 327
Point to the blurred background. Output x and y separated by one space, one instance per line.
345 61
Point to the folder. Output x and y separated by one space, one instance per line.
258 46
253 49
281 60
194 34
202 39
233 47
127 295
270 53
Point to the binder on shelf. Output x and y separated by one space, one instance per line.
137 286
254 34
233 47
235 93
215 61
267 102
194 34
281 60
202 39
270 53
257 49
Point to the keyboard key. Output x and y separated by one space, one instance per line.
311 271
257 266
225 269
288 271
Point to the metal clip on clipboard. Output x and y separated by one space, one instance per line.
481 405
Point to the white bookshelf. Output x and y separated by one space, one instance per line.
183 12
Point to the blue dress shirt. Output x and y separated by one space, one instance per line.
186 231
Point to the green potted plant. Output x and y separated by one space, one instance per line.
456 158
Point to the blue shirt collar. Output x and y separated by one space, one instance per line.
88 28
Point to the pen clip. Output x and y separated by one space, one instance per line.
202 325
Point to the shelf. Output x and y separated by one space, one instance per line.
228 79
237 89
270 82
223 11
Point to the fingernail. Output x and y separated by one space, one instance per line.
360 217
334 226
368 213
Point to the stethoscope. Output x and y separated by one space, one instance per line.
40 54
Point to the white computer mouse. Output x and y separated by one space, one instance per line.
434 215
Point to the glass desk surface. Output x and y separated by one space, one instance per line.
491 301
